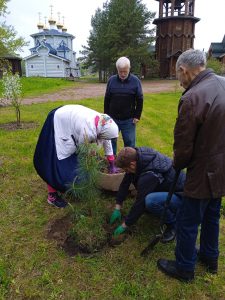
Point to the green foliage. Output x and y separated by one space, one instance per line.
12 89
85 185
216 65
87 228
119 29
9 42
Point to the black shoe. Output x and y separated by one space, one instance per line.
169 234
55 200
211 264
169 268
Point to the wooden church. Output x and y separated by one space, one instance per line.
52 54
175 33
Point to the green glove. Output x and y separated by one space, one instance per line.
119 230
116 215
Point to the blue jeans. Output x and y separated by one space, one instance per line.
154 203
192 213
128 130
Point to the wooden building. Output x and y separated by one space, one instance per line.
174 33
11 62
217 51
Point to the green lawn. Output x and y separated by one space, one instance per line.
32 267
34 86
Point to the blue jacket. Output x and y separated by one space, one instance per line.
154 173
123 99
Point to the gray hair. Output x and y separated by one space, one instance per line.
192 59
123 62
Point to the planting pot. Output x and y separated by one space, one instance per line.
111 182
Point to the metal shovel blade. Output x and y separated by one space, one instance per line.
151 245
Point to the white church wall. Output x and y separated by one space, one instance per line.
55 67
35 67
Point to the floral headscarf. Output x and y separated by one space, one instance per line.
106 127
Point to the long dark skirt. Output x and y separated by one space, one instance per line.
57 173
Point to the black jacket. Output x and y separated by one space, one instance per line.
123 99
154 173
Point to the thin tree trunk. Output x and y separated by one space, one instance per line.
18 117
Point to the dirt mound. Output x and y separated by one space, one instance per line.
59 231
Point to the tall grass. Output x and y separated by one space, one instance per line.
32 267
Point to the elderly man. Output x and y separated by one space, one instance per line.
199 146
124 101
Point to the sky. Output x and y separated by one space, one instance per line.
24 17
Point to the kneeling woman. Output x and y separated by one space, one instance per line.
55 157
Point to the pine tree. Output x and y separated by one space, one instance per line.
121 28
89 216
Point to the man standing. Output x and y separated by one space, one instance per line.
124 101
199 146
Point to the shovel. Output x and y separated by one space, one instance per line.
158 237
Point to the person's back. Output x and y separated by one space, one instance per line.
199 146
150 161
205 104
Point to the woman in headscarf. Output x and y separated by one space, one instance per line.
55 157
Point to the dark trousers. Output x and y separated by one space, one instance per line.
128 130
155 204
192 213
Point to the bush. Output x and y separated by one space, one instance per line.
216 65
12 89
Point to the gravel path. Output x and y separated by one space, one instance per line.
92 90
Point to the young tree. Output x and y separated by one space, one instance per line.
121 28
12 89
9 42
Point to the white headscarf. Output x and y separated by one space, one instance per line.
107 128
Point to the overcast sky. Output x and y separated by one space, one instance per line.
77 19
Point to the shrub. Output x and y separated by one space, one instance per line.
12 89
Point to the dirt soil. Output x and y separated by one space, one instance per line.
58 230
92 90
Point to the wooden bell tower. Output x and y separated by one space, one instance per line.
174 33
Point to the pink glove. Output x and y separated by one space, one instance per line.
112 168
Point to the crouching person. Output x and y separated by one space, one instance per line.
152 174
55 157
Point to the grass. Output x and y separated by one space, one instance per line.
32 267
35 86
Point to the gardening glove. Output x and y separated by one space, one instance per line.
119 230
116 215
112 168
